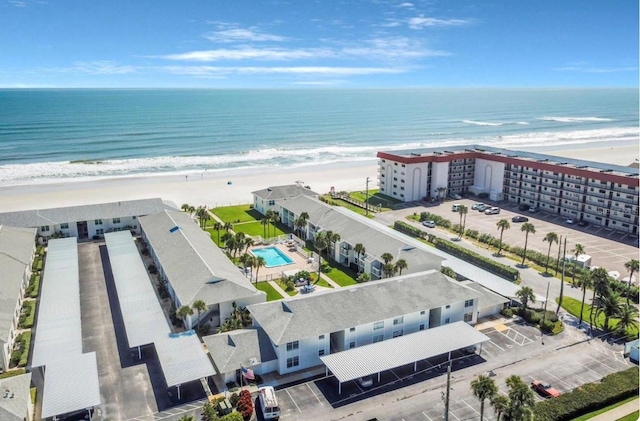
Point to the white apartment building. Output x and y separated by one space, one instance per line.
601 194
265 200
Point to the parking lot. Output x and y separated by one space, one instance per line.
565 361
608 248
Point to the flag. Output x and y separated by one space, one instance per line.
247 373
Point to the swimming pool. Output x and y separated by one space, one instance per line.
272 256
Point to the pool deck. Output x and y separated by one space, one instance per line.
299 263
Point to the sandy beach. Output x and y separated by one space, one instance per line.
212 188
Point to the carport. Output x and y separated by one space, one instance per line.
393 353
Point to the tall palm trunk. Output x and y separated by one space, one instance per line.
562 280
584 293
593 299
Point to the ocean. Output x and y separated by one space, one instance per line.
67 135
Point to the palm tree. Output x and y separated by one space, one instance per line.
627 318
558 259
401 264
275 218
268 216
304 218
328 234
483 388
387 257
298 224
183 313
258 262
608 305
199 306
577 251
360 250
584 282
192 210
264 222
632 267
500 405
185 207
526 295
333 239
320 242
389 270
600 279
562 279
363 277
527 228
248 242
551 238
521 399
217 226
502 225
227 226
462 210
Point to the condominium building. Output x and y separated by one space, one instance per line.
601 194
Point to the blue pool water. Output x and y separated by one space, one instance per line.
272 256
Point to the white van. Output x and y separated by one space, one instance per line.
269 403
454 208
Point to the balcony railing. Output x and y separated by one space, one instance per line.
633 201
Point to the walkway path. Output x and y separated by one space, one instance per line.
619 412
277 287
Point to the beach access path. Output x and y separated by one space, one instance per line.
618 412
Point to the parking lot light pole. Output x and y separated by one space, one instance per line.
366 198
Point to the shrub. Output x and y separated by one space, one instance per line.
245 405
26 343
34 286
234 416
449 272
27 314
431 238
507 312
472 234
589 397
234 399
409 229
492 266
483 195
152 268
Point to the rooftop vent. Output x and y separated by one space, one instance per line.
174 229
582 167
606 170
415 154
269 189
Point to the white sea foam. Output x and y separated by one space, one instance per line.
574 119
481 123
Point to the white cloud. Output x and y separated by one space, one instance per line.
420 22
585 69
18 3
333 82
249 53
95 68
234 34
392 48
293 70
407 5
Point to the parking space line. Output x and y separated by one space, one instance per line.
496 345
559 379
454 415
314 394
426 416
472 408
574 374
591 369
294 401
602 363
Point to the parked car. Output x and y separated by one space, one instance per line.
365 381
492 211
524 207
482 207
429 224
545 389
570 221
476 206
455 196
519 219
454 208
533 210
582 223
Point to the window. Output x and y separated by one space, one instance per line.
352 344
292 345
448 306
99 231
422 326
320 352
468 317
133 217
353 329
468 303
64 226
447 320
398 320
98 221
272 202
378 325
44 228
378 338
397 333
293 362
321 337
403 165
116 220
422 313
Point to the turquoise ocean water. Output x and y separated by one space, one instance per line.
66 135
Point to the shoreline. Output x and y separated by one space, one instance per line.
212 188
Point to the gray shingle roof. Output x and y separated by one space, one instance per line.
316 314
16 251
244 347
488 298
356 229
283 192
38 218
196 268
15 408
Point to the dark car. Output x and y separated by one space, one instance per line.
524 207
582 223
519 219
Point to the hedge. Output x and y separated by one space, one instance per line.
20 356
34 286
37 264
437 219
492 266
409 229
27 316
589 397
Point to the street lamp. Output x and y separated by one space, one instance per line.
366 198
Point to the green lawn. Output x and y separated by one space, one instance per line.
12 373
256 228
631 417
234 214
214 237
272 294
337 274
573 306
605 409
284 287
375 198
342 203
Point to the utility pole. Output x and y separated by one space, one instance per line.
544 314
366 198
446 397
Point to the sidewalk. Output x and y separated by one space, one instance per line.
619 412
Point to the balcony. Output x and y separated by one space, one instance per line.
573 188
550 176
530 172
624 199
548 201
623 190
549 183
596 193
529 187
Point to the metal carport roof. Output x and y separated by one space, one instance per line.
71 384
182 358
385 355
144 319
59 328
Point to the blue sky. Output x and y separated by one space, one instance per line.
323 43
